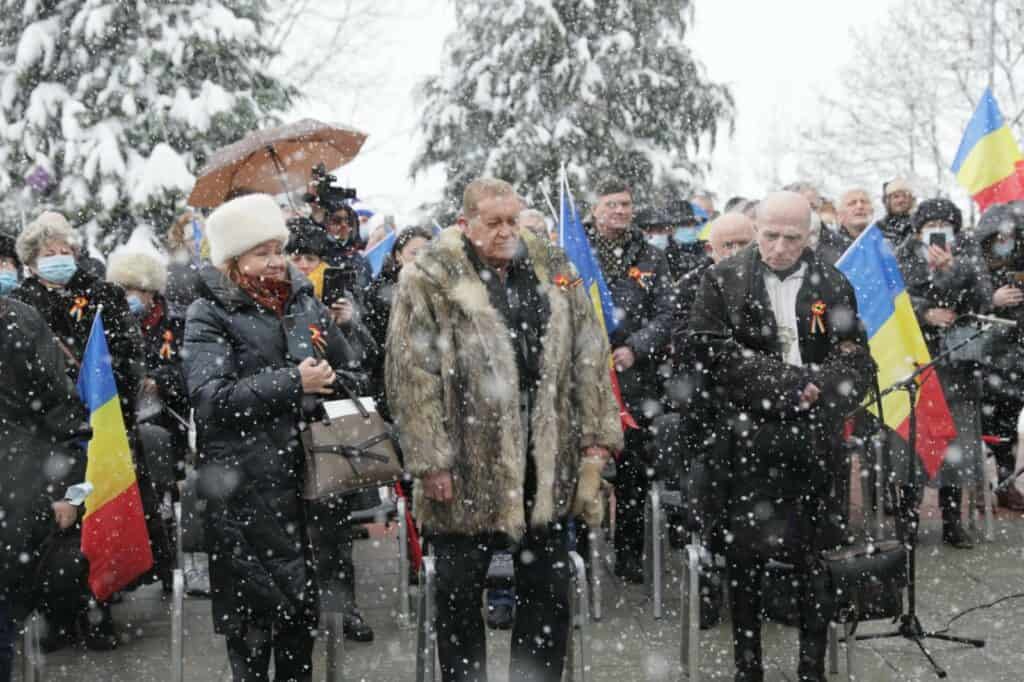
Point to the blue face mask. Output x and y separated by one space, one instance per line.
57 269
136 305
8 280
686 235
1003 249
658 241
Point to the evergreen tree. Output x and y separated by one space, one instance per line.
119 103
606 86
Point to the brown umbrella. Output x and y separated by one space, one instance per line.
274 160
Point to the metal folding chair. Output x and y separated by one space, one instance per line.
394 508
32 661
655 526
577 662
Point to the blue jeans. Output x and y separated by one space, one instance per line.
8 631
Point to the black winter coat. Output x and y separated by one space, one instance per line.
241 366
644 297
163 337
183 284
69 312
685 258
40 451
965 288
778 450
896 228
832 244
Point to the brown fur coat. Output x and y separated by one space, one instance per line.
453 386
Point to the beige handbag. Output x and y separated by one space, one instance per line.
350 450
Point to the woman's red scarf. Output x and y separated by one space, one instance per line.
272 294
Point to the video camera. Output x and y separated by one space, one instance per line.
326 195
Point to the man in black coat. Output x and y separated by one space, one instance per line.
638 277
787 359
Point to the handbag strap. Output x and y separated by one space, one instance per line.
359 450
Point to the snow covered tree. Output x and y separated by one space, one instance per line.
605 86
111 106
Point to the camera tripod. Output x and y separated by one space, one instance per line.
909 494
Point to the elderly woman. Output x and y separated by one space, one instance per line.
68 297
260 353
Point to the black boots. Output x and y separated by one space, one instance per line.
97 628
813 645
953 531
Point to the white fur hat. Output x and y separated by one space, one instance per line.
243 223
134 270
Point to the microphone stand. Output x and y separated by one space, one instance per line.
909 516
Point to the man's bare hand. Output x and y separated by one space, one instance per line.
1007 297
437 486
809 395
65 514
939 317
623 358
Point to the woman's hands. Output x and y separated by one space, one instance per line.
317 377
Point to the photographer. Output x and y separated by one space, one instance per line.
332 528
946 278
332 212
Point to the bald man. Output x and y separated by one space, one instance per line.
776 332
728 234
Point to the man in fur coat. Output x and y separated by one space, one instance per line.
497 375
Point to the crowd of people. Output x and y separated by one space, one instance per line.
480 347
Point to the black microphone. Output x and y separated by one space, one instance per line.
989 319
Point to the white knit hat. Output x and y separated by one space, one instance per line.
135 270
244 223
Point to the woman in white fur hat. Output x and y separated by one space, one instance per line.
260 351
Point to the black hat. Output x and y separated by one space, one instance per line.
999 218
653 217
306 237
938 209
7 249
681 212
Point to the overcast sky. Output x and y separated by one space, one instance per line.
775 55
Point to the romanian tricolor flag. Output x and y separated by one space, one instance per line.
897 346
114 535
988 163
573 239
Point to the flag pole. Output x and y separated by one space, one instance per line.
547 198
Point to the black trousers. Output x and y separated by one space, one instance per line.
331 534
541 629
292 648
631 485
772 530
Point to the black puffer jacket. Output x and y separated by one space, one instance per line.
644 298
241 366
69 312
40 453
